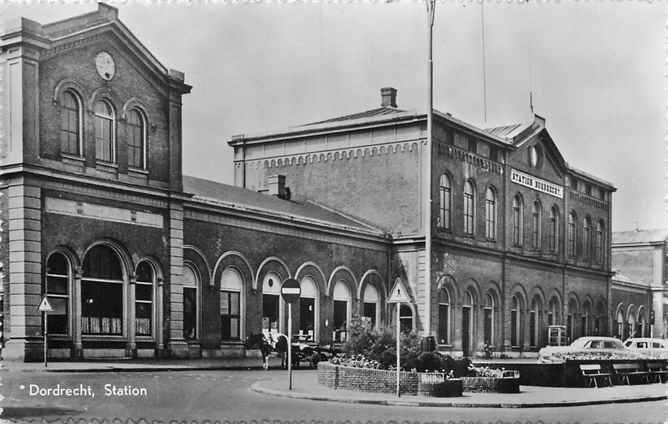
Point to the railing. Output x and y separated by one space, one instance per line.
589 200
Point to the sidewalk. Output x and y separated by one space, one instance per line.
138 365
305 386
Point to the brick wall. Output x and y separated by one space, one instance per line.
367 380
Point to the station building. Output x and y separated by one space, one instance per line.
639 291
139 260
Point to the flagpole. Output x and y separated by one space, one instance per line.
431 5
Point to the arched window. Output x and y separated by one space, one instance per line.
534 322
553 230
70 124
467 322
572 234
553 312
144 288
57 290
105 132
518 224
137 146
445 202
600 245
515 322
371 304
102 290
444 316
469 208
342 311
488 324
620 325
586 242
536 219
308 310
585 318
571 319
490 214
231 289
272 308
630 329
191 283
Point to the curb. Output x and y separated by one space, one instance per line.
257 388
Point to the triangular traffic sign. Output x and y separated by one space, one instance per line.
399 294
45 306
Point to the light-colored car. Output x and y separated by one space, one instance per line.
586 348
655 348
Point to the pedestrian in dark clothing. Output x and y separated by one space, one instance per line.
282 349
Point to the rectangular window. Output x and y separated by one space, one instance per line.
307 317
532 328
468 213
340 320
143 309
101 308
370 312
488 326
443 322
514 337
229 315
189 313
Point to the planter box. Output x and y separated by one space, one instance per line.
491 384
448 388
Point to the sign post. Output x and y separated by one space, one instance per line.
290 291
45 308
398 296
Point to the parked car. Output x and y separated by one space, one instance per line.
655 348
586 348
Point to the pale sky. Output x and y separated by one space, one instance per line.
596 70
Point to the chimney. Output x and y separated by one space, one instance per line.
276 187
388 97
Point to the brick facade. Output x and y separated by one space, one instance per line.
194 266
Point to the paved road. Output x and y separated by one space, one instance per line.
225 395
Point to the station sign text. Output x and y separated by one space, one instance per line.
536 183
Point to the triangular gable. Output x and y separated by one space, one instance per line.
554 163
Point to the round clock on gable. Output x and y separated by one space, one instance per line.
105 65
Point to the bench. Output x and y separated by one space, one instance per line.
591 373
657 371
626 371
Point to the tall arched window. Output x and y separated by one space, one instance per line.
144 287
105 132
272 308
586 242
585 319
488 320
515 322
231 289
467 322
137 139
469 208
342 311
534 322
571 319
490 214
445 203
536 219
553 230
599 249
102 288
444 316
309 310
191 283
572 234
518 224
70 124
620 325
58 275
